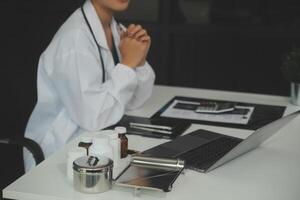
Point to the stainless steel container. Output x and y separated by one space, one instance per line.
92 174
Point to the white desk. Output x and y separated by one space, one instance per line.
271 171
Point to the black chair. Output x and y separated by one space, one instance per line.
29 144
12 166
17 101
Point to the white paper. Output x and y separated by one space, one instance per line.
223 118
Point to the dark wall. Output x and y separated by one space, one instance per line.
220 44
247 61
26 29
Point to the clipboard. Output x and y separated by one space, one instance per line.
262 114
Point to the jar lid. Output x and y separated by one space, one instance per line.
92 164
86 139
120 129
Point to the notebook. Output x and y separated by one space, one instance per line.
157 128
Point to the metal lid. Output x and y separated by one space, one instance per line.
92 164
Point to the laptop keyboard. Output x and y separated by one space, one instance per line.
201 158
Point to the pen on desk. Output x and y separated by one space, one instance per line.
150 126
151 129
145 134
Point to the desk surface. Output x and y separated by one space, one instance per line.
268 172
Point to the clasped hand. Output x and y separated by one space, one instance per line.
134 46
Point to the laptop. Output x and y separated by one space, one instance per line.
204 150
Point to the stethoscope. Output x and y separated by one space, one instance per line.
98 46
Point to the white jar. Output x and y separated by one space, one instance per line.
120 129
73 154
101 147
115 144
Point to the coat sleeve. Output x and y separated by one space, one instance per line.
145 81
93 105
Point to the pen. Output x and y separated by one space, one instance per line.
145 134
122 27
151 129
150 126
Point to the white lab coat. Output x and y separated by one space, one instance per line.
71 96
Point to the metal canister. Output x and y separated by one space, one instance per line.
92 174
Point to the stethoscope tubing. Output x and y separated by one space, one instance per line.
98 46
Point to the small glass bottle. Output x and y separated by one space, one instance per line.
123 141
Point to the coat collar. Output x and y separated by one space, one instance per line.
96 24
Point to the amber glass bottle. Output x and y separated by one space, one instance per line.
124 144
123 140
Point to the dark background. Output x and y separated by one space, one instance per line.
220 44
217 44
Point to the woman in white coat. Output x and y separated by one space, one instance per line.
88 76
